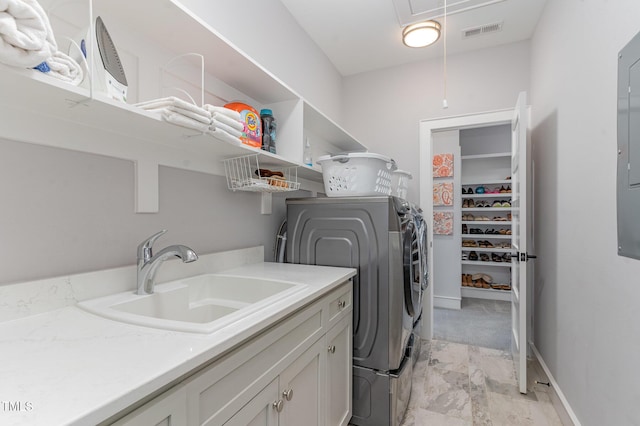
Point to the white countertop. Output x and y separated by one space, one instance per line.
68 366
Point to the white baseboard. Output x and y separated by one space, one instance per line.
556 389
447 302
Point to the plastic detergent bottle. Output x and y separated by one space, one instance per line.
268 130
252 133
307 156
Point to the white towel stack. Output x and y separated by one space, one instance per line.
179 112
226 123
27 41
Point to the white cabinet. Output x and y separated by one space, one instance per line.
301 387
262 410
339 370
296 373
83 119
168 409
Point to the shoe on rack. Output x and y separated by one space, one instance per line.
503 190
487 278
508 189
495 257
488 244
484 257
506 257
506 204
473 255
465 229
480 190
465 255
464 191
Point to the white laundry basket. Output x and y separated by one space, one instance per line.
400 183
357 174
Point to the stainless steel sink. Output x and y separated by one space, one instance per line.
202 304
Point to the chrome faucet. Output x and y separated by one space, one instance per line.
148 263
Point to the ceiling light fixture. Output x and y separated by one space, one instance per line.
421 34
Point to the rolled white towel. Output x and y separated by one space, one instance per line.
218 125
205 119
172 101
222 135
25 34
222 110
236 124
181 120
64 68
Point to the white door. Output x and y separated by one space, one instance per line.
521 229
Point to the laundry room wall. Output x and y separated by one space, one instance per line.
396 99
65 212
586 296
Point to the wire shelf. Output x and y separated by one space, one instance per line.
245 174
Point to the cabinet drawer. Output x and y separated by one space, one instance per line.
340 302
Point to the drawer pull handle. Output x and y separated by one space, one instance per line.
342 304
278 405
332 349
288 394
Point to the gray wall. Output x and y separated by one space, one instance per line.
65 212
586 297
383 108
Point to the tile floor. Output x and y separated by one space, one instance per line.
460 384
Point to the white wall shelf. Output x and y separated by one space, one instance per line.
41 110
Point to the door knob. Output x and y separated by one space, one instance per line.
288 394
342 304
278 405
332 349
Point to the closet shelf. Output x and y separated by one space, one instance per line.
501 195
486 209
486 236
481 263
485 222
487 250
486 182
486 293
485 156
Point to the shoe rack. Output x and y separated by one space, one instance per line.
486 237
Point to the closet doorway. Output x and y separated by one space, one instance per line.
479 239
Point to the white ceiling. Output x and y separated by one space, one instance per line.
364 35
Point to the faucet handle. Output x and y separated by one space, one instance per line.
144 249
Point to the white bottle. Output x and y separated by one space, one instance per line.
307 158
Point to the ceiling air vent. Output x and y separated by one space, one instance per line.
483 29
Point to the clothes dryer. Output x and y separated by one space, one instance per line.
377 236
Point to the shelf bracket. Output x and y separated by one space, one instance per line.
266 203
147 188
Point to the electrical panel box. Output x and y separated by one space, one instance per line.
628 182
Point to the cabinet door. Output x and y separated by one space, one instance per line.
339 373
301 389
169 409
262 410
